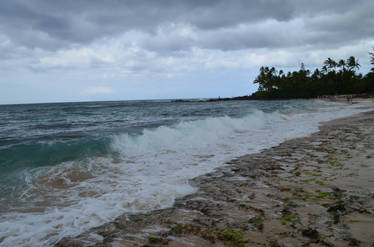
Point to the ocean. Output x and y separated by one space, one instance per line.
68 167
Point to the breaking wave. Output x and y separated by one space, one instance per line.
143 171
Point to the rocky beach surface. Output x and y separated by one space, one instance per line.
312 191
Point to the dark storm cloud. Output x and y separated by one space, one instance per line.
56 24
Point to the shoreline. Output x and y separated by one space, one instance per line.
339 97
316 190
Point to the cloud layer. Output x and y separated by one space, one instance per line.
170 37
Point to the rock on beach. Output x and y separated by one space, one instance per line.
312 191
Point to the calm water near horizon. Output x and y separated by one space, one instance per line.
67 167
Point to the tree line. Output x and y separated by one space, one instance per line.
334 77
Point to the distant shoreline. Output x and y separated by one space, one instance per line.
253 97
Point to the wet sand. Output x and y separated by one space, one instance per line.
312 191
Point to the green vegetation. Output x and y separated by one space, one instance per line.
289 218
231 237
153 240
312 196
178 229
335 77
156 242
257 221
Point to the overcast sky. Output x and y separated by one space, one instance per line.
77 50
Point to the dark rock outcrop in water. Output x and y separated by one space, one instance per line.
313 191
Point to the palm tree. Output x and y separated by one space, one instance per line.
352 63
316 75
342 64
329 63
324 69
372 59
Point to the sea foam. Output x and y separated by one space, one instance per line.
148 171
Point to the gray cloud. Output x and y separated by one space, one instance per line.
56 24
136 36
65 50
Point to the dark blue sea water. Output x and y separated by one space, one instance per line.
37 135
71 166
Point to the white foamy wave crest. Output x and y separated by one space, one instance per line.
185 136
149 171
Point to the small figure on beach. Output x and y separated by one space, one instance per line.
349 98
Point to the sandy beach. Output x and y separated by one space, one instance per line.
312 191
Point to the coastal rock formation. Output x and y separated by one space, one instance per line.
312 191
